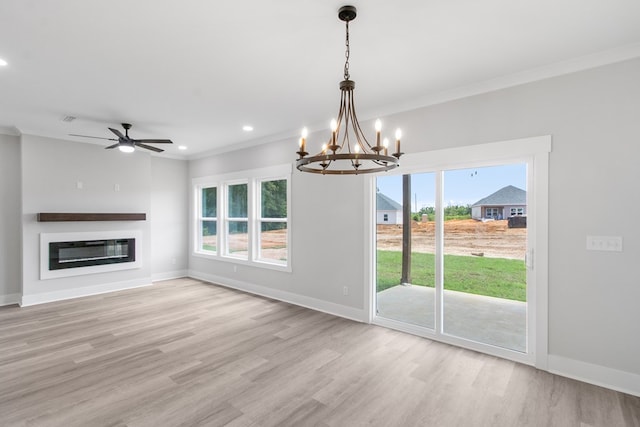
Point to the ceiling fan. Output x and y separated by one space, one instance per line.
127 144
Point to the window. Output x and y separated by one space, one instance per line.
244 217
272 221
237 221
208 221
517 211
385 217
492 213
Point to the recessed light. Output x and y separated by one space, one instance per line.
182 147
3 63
247 128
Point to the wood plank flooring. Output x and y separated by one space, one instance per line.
187 353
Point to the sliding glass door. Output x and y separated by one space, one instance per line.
406 268
450 253
485 241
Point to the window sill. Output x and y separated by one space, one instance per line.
240 261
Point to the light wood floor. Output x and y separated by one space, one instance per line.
187 353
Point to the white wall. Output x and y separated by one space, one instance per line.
593 296
51 170
169 218
393 217
10 242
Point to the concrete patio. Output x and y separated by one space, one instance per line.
494 321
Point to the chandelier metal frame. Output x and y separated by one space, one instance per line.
348 152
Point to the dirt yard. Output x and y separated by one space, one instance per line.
461 237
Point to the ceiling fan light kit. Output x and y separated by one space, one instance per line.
347 152
126 144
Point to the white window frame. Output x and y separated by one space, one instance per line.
259 219
495 212
200 219
227 220
253 178
535 152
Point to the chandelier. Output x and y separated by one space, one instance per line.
348 152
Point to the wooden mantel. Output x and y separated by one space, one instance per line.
57 217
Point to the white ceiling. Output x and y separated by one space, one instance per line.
196 71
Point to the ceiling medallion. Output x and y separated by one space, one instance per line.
347 152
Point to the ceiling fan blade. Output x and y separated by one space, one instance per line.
112 146
118 133
148 147
95 137
155 141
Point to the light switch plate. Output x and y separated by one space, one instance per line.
604 243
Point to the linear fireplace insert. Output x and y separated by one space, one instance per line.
80 253
86 253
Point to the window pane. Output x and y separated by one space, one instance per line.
209 202
413 304
238 201
237 241
484 276
209 233
274 199
273 241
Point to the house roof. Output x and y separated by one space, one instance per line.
508 195
385 203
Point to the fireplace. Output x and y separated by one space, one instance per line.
72 254
86 253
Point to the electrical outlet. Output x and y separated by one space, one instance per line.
235 268
79 185
345 290
116 187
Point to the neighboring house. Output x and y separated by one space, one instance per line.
504 203
388 211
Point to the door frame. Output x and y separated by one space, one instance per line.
535 152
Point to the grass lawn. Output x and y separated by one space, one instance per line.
495 277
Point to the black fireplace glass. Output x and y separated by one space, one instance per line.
86 253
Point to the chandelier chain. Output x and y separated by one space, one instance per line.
347 53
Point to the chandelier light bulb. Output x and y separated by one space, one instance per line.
334 125
305 132
398 133
385 143
356 149
378 125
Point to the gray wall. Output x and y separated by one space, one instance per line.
50 172
10 242
593 117
169 218
316 221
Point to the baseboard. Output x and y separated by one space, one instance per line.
9 299
358 315
625 382
168 275
82 292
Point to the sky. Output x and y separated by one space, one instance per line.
461 186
